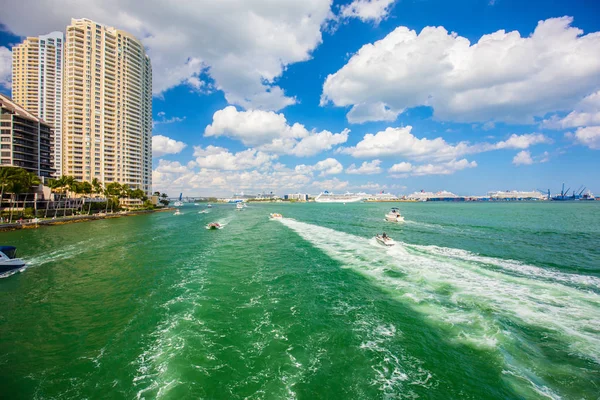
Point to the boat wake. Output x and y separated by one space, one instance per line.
490 304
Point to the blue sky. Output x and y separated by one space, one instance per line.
309 95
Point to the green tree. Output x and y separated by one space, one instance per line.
164 199
86 190
7 174
114 191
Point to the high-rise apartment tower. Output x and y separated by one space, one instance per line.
37 83
107 106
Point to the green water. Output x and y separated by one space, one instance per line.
476 301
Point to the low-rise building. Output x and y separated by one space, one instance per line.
296 196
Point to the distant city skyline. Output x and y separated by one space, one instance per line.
307 96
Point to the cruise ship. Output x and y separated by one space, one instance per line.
327 197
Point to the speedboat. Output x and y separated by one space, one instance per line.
394 216
385 240
239 207
203 212
214 225
9 260
208 205
177 212
275 216
178 204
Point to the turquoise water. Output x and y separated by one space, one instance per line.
475 301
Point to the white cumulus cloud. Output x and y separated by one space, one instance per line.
162 145
587 136
243 45
403 169
401 142
523 158
502 77
5 67
367 10
586 113
366 168
269 131
221 159
329 166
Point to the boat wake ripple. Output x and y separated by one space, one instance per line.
479 301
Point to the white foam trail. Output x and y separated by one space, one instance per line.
471 301
510 265
65 252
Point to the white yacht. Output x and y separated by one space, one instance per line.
178 204
8 260
239 206
394 216
327 197
385 240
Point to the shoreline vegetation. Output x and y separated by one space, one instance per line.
28 201
36 223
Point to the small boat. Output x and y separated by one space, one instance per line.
385 240
239 206
275 216
203 212
214 225
196 204
394 216
177 212
208 206
9 260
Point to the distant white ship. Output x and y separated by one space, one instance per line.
327 197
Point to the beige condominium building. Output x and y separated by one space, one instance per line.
107 106
37 73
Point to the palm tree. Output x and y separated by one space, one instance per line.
96 189
113 189
15 188
29 179
6 176
54 185
86 189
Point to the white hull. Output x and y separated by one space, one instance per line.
385 242
394 218
352 199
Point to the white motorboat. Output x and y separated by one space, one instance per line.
385 240
203 212
214 225
239 206
9 260
208 206
275 216
394 216
178 204
177 212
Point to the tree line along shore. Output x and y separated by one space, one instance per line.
25 200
